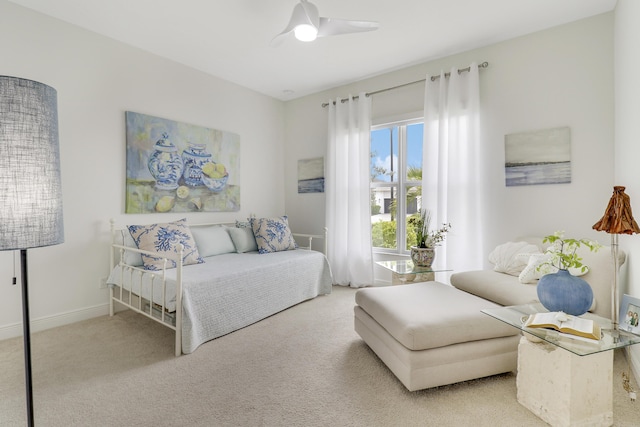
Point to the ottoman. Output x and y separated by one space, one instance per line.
431 334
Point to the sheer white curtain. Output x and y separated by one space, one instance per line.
452 180
347 192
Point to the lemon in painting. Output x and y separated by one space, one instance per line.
182 192
165 204
214 170
208 168
219 172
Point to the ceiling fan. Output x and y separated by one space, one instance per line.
307 24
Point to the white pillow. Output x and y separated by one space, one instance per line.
130 257
212 240
531 273
505 260
243 239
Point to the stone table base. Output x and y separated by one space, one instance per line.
565 389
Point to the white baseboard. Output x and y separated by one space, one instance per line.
43 323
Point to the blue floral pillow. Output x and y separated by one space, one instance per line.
273 234
164 239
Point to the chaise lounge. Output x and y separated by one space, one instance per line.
431 334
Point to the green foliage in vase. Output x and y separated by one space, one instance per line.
426 238
563 251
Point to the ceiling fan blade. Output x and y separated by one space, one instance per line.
334 27
311 13
277 40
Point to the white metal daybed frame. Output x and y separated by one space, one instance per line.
134 301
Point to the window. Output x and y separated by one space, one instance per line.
396 183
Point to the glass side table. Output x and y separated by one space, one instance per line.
564 381
404 271
517 314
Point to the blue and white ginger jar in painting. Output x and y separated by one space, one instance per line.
194 158
165 164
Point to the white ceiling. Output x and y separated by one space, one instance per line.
230 38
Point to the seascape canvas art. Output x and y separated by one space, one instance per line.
540 157
179 167
311 175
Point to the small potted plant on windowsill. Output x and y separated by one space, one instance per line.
424 252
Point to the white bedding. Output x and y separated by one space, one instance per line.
230 291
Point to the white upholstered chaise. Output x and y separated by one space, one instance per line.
431 334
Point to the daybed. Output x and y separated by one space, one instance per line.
216 281
431 334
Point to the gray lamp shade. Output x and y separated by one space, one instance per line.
30 185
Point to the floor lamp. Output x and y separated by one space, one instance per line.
30 187
617 219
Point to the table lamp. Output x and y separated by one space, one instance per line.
617 219
30 184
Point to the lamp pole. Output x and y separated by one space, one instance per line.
617 219
27 336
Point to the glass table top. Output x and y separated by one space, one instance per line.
516 316
406 266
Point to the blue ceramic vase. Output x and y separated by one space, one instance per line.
165 164
563 292
194 158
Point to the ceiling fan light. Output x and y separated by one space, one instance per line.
306 32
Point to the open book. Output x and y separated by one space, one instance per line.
565 323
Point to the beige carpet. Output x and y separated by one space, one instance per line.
302 367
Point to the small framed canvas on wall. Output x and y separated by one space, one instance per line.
539 157
311 175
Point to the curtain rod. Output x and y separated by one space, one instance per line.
433 78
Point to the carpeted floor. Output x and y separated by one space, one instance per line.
302 367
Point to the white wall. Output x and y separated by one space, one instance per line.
558 77
627 149
97 80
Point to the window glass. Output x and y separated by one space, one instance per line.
396 179
383 229
384 154
413 198
414 152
